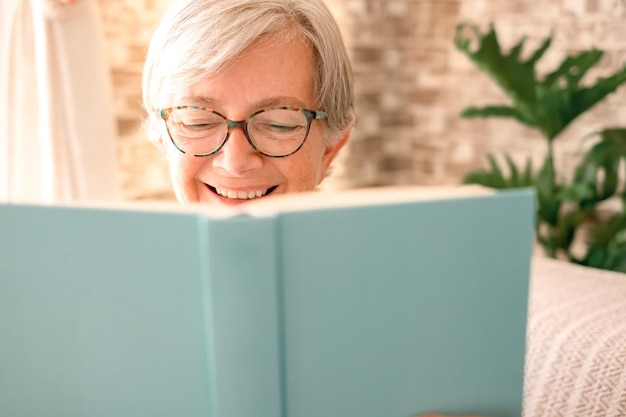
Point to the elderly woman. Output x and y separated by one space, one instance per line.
248 98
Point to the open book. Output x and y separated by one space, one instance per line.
370 303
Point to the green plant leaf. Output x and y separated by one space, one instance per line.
545 178
545 237
494 177
548 207
572 70
563 105
607 247
599 170
566 228
515 77
577 192
527 175
548 105
514 173
491 177
493 111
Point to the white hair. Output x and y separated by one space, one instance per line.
198 38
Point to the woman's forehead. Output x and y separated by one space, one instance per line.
269 72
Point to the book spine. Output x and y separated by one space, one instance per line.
243 318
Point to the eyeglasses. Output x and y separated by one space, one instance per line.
275 132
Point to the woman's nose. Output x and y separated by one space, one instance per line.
238 157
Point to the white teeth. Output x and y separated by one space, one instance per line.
241 195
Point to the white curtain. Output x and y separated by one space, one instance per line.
57 125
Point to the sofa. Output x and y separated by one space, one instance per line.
576 341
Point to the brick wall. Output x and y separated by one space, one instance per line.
411 86
129 25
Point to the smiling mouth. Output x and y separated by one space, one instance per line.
242 195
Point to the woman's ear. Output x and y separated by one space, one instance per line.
159 143
331 152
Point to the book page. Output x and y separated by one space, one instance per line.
358 197
314 200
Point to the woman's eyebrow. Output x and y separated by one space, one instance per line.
253 106
279 101
198 101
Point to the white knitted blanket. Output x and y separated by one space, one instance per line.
576 352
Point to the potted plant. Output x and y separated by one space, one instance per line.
567 208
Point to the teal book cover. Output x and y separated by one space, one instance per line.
377 303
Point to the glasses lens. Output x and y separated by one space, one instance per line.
196 131
278 132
